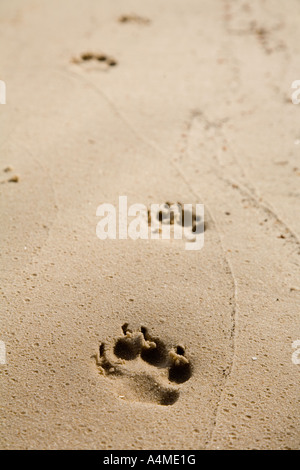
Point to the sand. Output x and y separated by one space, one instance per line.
160 101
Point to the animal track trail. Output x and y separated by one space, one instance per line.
142 368
245 20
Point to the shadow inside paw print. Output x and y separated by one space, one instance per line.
143 368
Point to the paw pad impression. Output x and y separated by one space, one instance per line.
146 369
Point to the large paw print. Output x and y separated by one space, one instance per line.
143 369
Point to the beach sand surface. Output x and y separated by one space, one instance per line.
172 100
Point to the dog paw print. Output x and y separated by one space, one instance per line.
143 369
104 61
177 215
133 18
10 178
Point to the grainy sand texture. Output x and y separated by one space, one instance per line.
142 344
